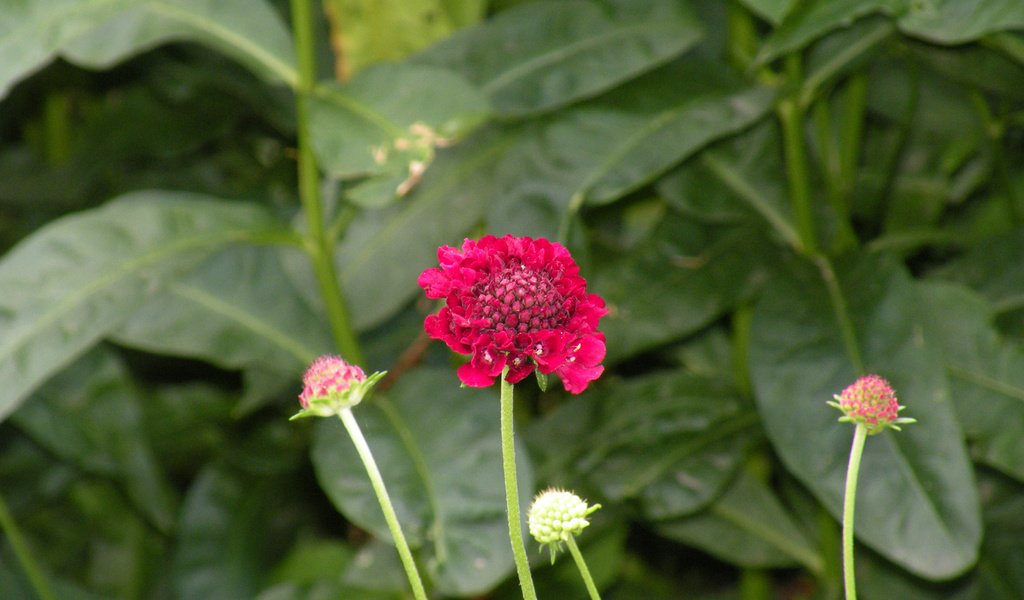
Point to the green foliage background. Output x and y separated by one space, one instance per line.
773 196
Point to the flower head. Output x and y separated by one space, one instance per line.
555 515
870 401
520 303
330 385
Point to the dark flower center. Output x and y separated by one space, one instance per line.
518 299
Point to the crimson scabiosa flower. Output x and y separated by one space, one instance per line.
870 401
520 303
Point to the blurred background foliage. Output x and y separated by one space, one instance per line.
773 197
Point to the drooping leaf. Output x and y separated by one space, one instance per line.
671 441
98 33
918 505
747 526
89 415
543 55
986 373
80 277
439 452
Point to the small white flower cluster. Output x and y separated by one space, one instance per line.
556 515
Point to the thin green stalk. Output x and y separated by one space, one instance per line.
755 584
994 133
791 117
318 244
582 566
851 135
21 551
508 460
742 35
390 517
849 578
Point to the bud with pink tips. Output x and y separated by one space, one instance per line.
870 401
331 385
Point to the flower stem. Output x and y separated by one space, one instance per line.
21 551
791 117
850 499
582 566
508 459
390 517
318 245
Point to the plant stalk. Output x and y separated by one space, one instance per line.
508 459
850 499
318 245
791 117
582 566
24 556
349 420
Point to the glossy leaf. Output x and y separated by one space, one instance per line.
427 435
543 55
747 526
80 277
914 505
986 373
99 33
671 441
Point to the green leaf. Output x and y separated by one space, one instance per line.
390 116
99 33
991 268
918 504
680 279
237 310
543 55
749 527
986 373
961 21
671 441
438 449
772 10
90 415
79 277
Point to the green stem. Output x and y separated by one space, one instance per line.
742 35
791 117
508 460
21 551
582 566
849 579
994 134
318 244
390 517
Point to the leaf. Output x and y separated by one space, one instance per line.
543 55
986 373
90 416
99 33
918 505
747 527
439 452
772 10
992 269
961 21
237 310
364 34
673 449
389 116
79 277
679 280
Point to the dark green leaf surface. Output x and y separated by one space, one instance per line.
98 33
992 268
914 506
543 55
747 526
986 373
438 449
80 277
961 21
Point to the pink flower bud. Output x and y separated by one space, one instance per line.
330 385
870 401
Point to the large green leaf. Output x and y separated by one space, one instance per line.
89 415
747 526
390 117
671 441
678 280
98 33
961 21
986 373
438 449
543 55
80 277
992 268
918 504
